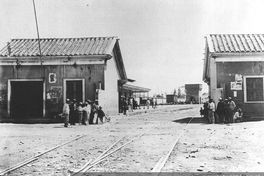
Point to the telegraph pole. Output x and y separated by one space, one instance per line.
36 20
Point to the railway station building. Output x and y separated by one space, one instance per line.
234 67
34 86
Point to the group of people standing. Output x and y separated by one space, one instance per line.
82 113
128 104
226 111
131 104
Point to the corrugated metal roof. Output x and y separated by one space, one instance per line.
135 88
236 43
60 46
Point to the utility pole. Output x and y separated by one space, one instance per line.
40 53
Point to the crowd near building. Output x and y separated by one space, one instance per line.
38 76
234 67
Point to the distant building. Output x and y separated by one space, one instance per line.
34 87
234 67
140 94
193 93
160 99
171 98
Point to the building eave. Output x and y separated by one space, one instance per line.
53 60
214 54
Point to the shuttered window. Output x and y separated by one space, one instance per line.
254 89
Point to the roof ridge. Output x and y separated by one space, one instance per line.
234 34
67 38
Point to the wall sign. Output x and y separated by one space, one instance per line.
236 85
52 78
238 78
54 94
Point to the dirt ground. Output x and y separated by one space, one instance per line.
202 148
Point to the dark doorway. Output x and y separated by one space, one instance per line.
26 99
74 90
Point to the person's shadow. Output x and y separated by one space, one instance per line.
193 120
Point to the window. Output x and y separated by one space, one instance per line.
254 89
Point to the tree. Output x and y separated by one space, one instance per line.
174 92
179 93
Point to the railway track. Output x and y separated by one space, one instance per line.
36 157
113 148
110 150
118 145
161 163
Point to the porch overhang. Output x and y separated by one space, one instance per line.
135 89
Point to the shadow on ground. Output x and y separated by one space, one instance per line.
202 120
194 120
253 119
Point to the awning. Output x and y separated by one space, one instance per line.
133 88
123 81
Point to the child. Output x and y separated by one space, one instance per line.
101 114
238 115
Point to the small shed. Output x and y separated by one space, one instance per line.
234 67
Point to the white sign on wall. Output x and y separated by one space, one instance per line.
238 78
236 85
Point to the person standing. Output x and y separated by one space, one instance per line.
101 114
80 113
220 110
131 104
66 112
226 111
86 113
148 103
75 112
211 111
72 113
232 107
125 106
91 113
134 104
205 109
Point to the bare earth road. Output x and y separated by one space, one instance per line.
201 147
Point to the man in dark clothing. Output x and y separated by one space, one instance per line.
73 112
206 110
101 114
227 111
124 106
91 118
220 110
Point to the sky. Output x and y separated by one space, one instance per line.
162 41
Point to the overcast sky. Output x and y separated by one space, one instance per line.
162 41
